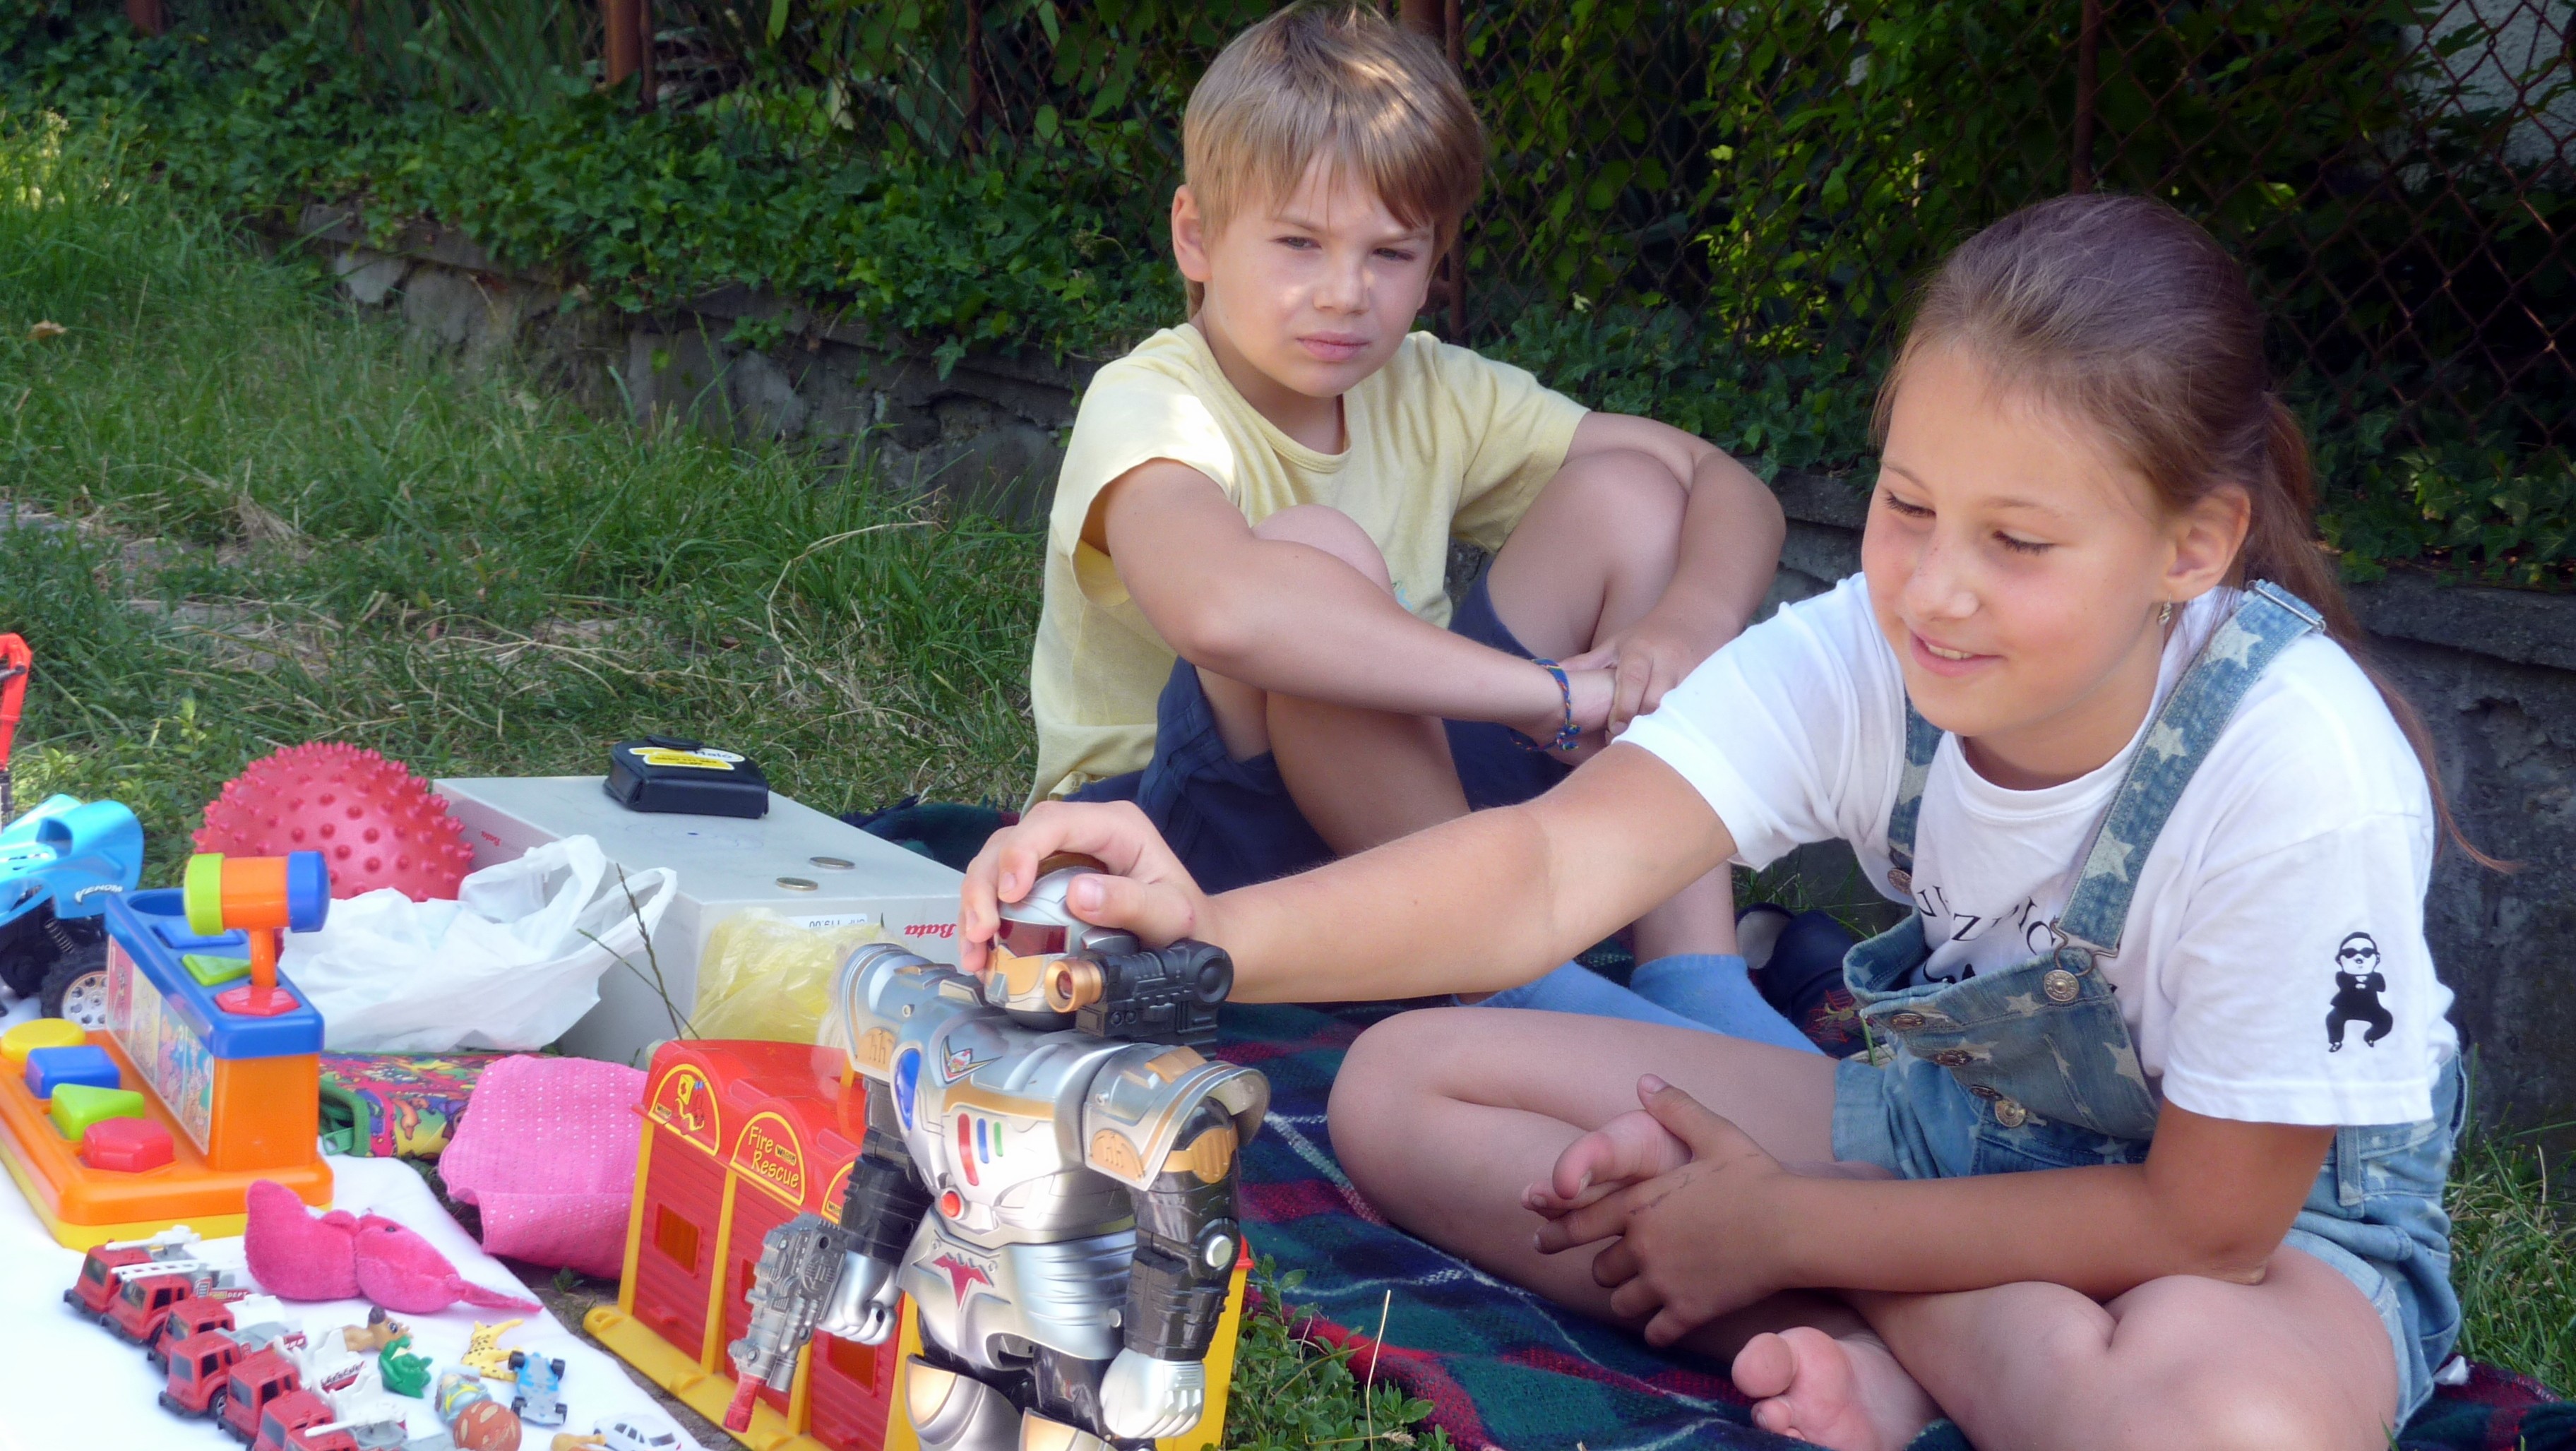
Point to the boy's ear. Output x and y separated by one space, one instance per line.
1189 236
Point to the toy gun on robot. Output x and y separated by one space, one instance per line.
1162 995
800 1268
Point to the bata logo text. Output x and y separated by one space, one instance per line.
931 929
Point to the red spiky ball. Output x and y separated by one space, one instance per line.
373 820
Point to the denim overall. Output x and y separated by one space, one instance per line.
2032 1067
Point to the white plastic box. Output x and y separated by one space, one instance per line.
805 866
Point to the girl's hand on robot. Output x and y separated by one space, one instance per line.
1146 892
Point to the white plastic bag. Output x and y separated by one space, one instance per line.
511 963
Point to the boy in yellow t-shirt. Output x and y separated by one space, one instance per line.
1246 629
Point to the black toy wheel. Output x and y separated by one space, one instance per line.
76 988
518 1358
519 1406
215 1408
32 946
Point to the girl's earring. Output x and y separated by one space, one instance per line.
2164 613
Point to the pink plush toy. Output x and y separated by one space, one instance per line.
402 1271
295 1256
338 1256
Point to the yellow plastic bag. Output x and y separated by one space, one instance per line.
765 977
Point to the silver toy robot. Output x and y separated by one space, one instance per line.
1049 1173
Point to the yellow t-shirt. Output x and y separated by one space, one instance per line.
1441 442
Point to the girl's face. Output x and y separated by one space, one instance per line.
2017 565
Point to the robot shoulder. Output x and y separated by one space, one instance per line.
884 994
1142 1100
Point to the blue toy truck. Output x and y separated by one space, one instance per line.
59 865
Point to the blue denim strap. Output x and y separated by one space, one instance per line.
2267 621
1922 742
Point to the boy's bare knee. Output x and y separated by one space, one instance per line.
1624 494
1319 526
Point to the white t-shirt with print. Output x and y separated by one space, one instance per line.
2283 902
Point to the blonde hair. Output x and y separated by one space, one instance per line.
1339 81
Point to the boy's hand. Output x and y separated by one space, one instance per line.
1151 894
1645 660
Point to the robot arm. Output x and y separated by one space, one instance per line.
1168 1125
883 1207
1186 1242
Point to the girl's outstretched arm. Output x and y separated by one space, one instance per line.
2214 1199
1484 902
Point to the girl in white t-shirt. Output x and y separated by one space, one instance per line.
2150 1145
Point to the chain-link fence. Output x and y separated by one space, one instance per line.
2399 174
2401 177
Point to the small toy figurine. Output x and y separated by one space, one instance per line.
473 1419
539 1398
483 1353
380 1331
1048 1172
403 1372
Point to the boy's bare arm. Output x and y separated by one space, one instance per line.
1730 547
1285 617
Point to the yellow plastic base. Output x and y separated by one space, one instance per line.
82 1207
709 1395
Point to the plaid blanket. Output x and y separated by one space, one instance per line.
1502 1367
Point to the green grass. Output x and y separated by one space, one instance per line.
280 523
246 518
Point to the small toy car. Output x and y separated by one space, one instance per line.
59 864
539 1398
627 1436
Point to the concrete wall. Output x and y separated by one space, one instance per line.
990 431
2494 671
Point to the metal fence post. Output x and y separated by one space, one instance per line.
2088 57
1439 20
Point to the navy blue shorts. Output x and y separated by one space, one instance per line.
1232 823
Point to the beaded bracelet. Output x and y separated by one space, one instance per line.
1568 735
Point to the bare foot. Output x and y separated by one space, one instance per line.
1848 1393
1629 1148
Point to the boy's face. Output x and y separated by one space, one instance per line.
1315 290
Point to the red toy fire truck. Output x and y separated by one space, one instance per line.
147 1292
95 1290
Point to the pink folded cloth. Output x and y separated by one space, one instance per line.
546 1150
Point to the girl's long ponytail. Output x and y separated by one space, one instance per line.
2280 546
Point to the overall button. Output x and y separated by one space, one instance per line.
1982 1091
1954 1057
2060 985
1905 1022
2010 1114
1901 879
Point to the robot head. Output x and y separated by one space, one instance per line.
1038 931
